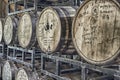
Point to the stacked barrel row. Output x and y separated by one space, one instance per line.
93 30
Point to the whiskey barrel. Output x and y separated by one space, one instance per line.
1 66
3 9
1 30
9 71
96 31
23 74
27 74
26 30
9 31
53 29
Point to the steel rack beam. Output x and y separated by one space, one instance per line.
53 75
84 66
21 11
19 61
14 52
34 8
12 2
2 50
20 49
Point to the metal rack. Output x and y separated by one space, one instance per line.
109 73
19 55
2 50
24 3
36 5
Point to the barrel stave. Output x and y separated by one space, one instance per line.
62 29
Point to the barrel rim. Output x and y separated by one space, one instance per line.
102 62
12 30
29 44
37 23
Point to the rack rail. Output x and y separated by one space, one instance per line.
109 73
33 6
38 5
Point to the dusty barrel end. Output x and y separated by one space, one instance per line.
26 30
96 31
53 29
9 70
9 31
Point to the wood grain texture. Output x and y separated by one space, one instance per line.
53 29
96 30
26 30
9 31
9 71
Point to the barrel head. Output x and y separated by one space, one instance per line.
48 30
25 30
96 31
22 75
8 30
8 72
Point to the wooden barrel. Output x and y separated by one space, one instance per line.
53 29
23 74
27 74
9 71
9 32
26 30
96 31
1 30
